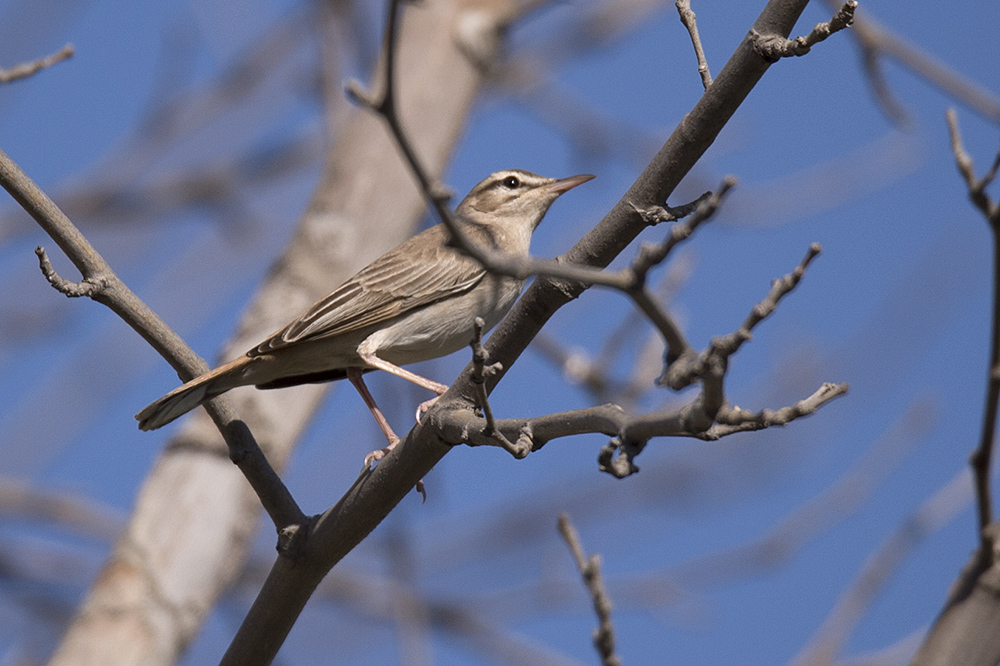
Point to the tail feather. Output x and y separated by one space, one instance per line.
183 399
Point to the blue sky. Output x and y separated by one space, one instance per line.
897 305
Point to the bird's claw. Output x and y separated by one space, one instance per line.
425 407
378 454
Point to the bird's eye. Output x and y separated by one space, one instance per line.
511 182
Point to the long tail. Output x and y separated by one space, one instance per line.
183 399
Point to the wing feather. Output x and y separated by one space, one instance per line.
421 271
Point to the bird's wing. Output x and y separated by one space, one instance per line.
414 274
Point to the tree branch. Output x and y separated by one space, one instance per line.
102 285
983 455
690 22
590 570
25 69
775 47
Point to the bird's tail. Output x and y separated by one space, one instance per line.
183 399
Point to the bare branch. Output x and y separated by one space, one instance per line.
774 47
590 570
734 419
689 20
682 374
86 287
629 432
981 459
480 358
25 69
104 286
880 566
977 186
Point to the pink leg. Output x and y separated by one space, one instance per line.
354 374
375 362
429 384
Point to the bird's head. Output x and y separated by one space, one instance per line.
513 202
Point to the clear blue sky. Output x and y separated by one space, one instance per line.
897 305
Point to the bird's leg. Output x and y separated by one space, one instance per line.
375 362
354 374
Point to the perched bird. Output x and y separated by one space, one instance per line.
415 302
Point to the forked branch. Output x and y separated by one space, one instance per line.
982 457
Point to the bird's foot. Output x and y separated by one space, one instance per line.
378 454
425 407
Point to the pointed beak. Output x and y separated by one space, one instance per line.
566 184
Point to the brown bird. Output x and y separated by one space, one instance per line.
415 302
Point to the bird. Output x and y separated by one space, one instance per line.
416 302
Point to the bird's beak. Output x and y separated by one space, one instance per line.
566 184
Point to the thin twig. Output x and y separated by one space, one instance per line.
734 419
481 369
590 570
87 287
690 22
775 47
25 69
706 417
982 457
681 375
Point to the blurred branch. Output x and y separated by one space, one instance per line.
528 76
812 518
929 517
213 186
878 42
593 134
26 69
590 570
381 599
76 513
